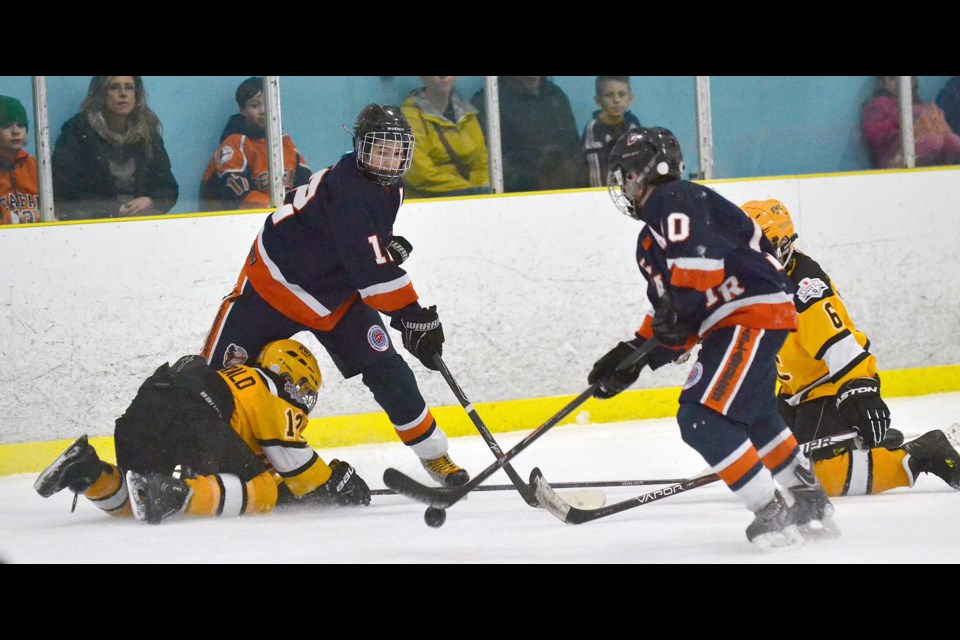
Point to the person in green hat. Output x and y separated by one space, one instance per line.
19 195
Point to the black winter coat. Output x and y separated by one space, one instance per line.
83 187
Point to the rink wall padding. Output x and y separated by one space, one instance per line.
532 289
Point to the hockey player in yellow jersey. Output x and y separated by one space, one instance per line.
829 383
236 435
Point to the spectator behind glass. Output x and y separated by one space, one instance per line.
935 143
538 135
949 100
450 155
237 177
612 120
19 195
109 160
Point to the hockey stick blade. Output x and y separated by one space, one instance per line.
444 497
573 514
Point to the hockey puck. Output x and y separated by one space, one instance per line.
434 517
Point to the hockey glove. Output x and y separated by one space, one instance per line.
606 374
344 488
666 323
399 249
861 407
422 333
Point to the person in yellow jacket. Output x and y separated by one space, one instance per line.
829 383
450 157
236 435
19 193
237 176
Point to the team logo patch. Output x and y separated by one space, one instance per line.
234 355
810 288
377 338
225 155
695 374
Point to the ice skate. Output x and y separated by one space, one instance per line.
77 468
936 452
445 471
774 526
155 497
813 509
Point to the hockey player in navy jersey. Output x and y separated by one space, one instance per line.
327 261
712 279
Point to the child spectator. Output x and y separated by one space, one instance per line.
538 135
450 154
109 160
935 142
612 120
238 175
19 195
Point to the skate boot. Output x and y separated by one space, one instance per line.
445 471
814 511
775 526
77 468
155 497
936 452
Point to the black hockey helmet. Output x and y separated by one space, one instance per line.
639 159
383 141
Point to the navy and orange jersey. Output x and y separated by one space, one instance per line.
714 261
326 246
19 191
271 422
237 177
827 350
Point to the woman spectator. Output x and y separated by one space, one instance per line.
110 160
450 153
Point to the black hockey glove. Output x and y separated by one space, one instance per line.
422 334
605 371
399 249
343 488
861 407
666 323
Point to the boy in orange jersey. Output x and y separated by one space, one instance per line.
237 177
19 194
235 433
829 384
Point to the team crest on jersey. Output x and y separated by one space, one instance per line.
225 154
695 374
810 288
377 338
234 355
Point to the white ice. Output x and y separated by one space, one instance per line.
918 525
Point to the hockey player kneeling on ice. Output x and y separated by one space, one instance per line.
829 383
710 281
236 435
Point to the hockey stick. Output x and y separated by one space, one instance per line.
555 504
523 488
560 485
444 497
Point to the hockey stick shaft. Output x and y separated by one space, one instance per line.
555 504
522 487
443 497
587 484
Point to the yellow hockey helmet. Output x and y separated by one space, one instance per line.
776 224
296 366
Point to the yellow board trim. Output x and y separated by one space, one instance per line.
511 415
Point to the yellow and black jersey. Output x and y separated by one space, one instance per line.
271 422
827 349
